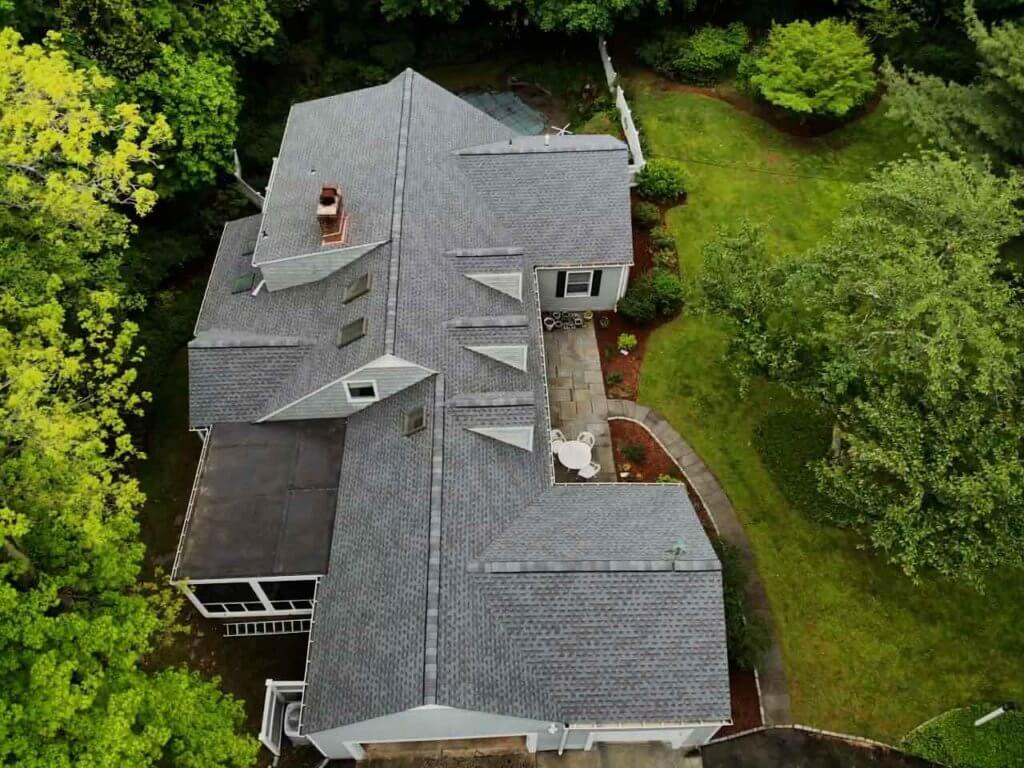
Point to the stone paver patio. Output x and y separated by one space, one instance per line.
577 396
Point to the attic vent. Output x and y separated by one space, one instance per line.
413 421
243 283
519 437
358 287
352 331
330 212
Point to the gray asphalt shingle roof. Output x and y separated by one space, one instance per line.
507 643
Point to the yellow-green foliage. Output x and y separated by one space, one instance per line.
823 69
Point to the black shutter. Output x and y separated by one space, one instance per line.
595 283
560 286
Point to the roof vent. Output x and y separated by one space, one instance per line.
330 212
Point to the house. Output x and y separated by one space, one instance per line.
367 377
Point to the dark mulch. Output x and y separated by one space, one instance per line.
656 462
628 366
746 704
608 326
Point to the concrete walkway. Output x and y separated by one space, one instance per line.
576 392
772 673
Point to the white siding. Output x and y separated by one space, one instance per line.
390 375
287 273
547 281
438 723
424 724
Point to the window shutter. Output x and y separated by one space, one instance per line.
595 283
560 286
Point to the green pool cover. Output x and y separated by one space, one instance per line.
509 109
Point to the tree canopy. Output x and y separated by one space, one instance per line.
548 15
898 325
73 163
74 624
984 117
76 171
171 57
823 69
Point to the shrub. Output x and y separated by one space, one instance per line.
646 215
667 260
668 292
661 238
627 341
658 292
747 637
701 58
662 180
634 453
668 479
710 52
638 303
614 377
824 69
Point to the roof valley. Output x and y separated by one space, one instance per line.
430 661
397 205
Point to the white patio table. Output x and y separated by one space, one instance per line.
574 454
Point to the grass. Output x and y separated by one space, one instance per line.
742 167
953 739
866 651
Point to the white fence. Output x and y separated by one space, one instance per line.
636 152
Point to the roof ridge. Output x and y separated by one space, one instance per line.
591 566
397 203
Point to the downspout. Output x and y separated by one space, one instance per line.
565 737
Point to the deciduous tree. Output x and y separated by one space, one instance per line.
899 326
73 163
74 623
823 69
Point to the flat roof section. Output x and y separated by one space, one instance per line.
265 501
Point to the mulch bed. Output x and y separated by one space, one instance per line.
609 325
746 705
656 462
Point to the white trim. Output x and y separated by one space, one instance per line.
186 585
204 434
266 196
384 361
330 251
576 294
361 400
623 283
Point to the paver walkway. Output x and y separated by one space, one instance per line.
576 393
774 689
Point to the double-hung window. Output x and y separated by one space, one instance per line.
578 283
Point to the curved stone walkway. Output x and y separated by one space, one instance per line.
772 674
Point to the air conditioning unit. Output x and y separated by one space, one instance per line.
291 724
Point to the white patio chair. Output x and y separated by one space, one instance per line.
557 438
590 470
587 438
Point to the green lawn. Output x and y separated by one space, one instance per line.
866 651
954 740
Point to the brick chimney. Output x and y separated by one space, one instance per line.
330 212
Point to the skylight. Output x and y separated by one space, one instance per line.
413 421
243 283
358 287
352 331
